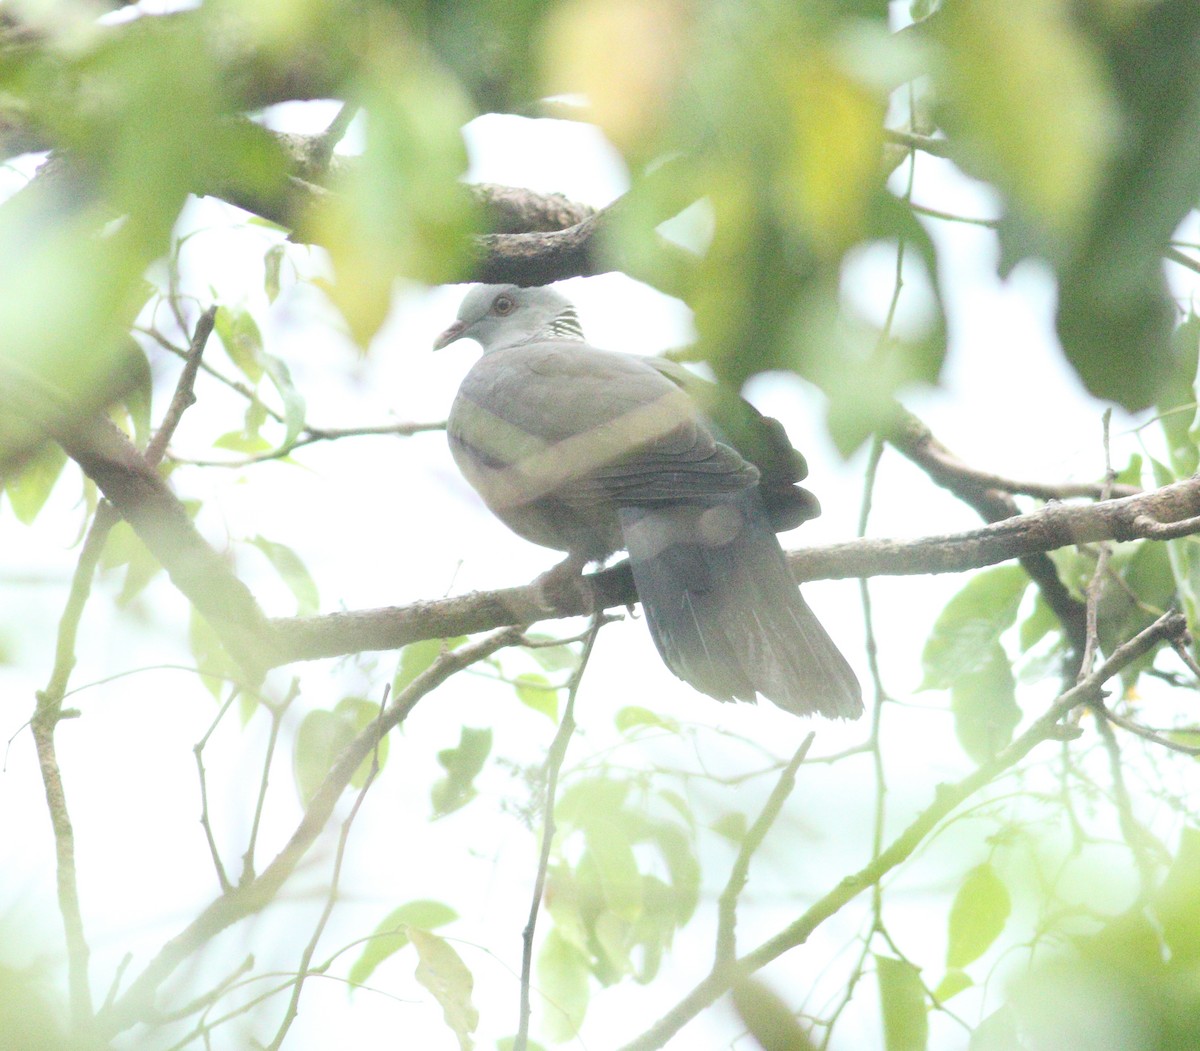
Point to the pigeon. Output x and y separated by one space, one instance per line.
592 452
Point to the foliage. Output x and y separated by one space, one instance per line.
771 149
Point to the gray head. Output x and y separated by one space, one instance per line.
498 316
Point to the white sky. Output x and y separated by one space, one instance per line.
385 522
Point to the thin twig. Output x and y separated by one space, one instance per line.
727 904
304 970
205 823
248 898
184 396
312 435
552 767
947 798
277 712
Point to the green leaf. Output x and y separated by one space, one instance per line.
443 973
563 982
216 666
392 934
417 657
633 717
553 658
360 712
272 263
768 1018
29 490
242 339
250 443
997 1032
984 705
953 982
610 850
732 826
293 573
507 1043
462 764
1027 106
967 631
902 997
1041 621
402 210
321 738
537 692
1177 903
1177 398
293 401
977 917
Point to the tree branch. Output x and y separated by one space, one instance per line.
1050 527
255 894
947 797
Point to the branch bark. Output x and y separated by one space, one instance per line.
1054 526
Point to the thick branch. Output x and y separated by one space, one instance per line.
1051 527
991 497
147 503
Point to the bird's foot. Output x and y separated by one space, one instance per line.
564 587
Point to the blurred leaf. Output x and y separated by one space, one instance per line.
323 735
1041 621
417 657
293 572
612 853
1116 312
402 210
217 667
1026 105
293 401
997 1032
563 982
980 910
953 982
392 934
967 632
508 1043
536 692
770 1021
462 764
243 442
632 718
732 826
1177 398
125 548
443 973
240 335
29 489
621 58
984 704
272 264
552 658
902 997
1177 904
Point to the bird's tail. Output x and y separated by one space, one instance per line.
725 613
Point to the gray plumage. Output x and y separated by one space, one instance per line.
590 452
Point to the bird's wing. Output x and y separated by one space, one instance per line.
587 425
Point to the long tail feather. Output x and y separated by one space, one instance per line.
724 612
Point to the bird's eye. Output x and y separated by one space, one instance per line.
503 305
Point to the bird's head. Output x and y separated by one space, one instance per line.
498 316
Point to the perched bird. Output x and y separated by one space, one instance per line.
591 452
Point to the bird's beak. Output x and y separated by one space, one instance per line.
454 332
